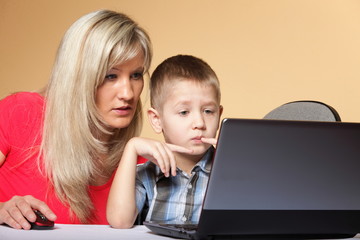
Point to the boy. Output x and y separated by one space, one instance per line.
185 100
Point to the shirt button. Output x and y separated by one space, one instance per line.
183 219
189 186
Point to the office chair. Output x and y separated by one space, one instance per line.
306 111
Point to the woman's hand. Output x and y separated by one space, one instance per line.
20 209
159 153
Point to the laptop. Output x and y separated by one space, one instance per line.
280 179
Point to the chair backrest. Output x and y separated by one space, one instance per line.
306 111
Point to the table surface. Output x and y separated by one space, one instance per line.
84 232
79 232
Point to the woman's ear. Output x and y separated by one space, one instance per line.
155 121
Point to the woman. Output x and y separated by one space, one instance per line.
59 148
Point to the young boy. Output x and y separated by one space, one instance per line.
185 100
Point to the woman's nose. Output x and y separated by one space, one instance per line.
124 89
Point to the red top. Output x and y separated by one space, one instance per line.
21 117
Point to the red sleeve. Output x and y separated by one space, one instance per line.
20 120
141 160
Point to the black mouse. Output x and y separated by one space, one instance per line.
41 222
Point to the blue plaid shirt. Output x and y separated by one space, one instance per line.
176 198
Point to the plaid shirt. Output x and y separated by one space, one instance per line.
176 198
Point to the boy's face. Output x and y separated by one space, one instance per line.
190 111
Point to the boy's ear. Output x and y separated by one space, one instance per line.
155 121
221 109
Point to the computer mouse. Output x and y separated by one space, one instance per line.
41 222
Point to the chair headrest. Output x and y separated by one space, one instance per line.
304 110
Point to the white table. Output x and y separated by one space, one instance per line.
79 232
85 232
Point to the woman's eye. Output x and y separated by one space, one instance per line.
137 76
110 76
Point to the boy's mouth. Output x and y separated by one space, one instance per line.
197 139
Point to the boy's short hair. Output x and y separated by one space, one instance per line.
179 68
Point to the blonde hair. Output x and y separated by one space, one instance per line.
71 146
180 68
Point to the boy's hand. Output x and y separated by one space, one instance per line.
159 153
211 141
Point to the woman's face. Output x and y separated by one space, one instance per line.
117 97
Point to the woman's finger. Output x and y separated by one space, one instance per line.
41 206
5 218
24 205
11 214
16 214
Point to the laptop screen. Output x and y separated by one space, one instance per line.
284 177
286 165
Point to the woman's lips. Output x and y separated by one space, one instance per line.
122 111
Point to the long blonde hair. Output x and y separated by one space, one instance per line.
71 148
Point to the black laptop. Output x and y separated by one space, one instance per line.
280 179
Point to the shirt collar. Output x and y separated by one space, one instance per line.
206 161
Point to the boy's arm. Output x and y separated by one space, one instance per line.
121 208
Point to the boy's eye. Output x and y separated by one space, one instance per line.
110 76
183 113
137 76
208 111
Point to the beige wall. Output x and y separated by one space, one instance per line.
265 52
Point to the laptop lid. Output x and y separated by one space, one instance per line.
284 178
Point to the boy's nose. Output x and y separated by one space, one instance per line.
198 122
124 89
